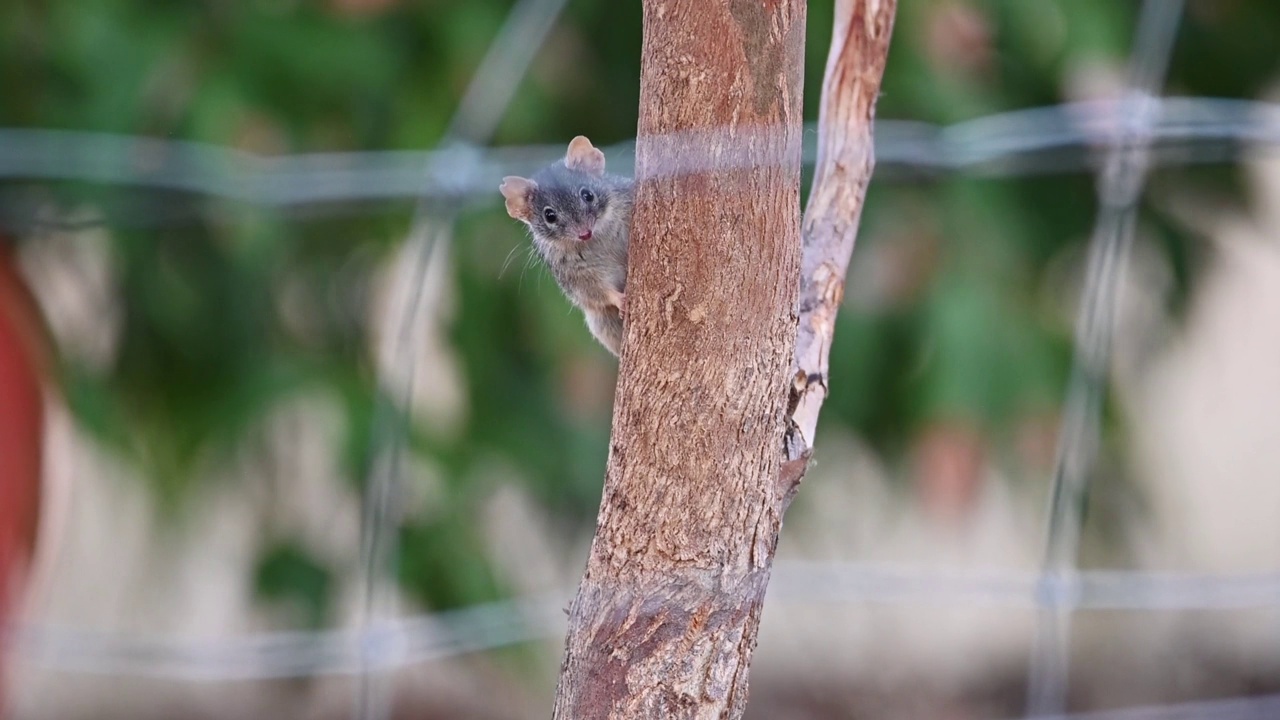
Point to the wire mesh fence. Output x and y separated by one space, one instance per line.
1121 140
1036 141
397 642
1119 189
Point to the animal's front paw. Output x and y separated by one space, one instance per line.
619 300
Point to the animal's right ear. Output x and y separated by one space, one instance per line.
518 191
584 157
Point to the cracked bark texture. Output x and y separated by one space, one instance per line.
706 452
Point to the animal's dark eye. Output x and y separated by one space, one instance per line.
587 196
549 214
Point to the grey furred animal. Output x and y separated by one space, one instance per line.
580 220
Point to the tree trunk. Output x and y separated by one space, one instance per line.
705 454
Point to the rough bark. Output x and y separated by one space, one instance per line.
699 475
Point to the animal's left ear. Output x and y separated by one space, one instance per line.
584 157
518 191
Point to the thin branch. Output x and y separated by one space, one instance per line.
846 158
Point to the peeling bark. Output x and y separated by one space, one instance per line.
846 158
712 378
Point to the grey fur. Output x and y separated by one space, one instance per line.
593 272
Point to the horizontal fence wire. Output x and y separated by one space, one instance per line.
400 642
1062 138
1265 707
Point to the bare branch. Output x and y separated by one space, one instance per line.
855 67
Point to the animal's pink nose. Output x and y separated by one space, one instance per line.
585 234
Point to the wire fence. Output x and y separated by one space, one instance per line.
1036 141
482 106
1119 188
397 642
1121 139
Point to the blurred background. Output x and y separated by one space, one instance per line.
220 286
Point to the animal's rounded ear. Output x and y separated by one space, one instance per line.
584 157
518 191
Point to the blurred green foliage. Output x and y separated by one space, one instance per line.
962 334
287 573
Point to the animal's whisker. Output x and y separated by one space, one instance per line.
507 260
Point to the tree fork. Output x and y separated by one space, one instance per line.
711 430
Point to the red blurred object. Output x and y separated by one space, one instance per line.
950 463
22 343
959 38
